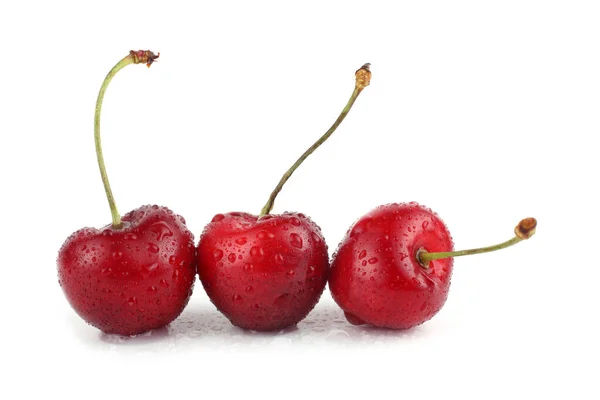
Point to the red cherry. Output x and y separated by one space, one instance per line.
267 272
393 267
136 274
375 277
263 274
132 279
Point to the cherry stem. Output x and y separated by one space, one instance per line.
134 57
363 78
524 230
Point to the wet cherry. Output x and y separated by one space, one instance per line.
393 267
263 274
137 273
267 272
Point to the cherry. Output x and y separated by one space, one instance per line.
137 273
267 272
393 267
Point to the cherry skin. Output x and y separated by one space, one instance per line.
263 274
375 275
133 279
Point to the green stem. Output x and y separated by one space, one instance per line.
524 230
134 57
425 257
363 76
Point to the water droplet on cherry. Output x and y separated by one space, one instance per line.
296 240
218 217
382 238
262 235
257 251
358 229
237 299
315 238
282 301
161 229
217 254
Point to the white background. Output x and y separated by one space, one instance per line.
487 112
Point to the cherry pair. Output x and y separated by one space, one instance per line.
263 272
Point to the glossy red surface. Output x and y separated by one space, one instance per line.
130 280
265 274
375 277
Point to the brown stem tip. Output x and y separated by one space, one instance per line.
526 228
143 57
363 76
